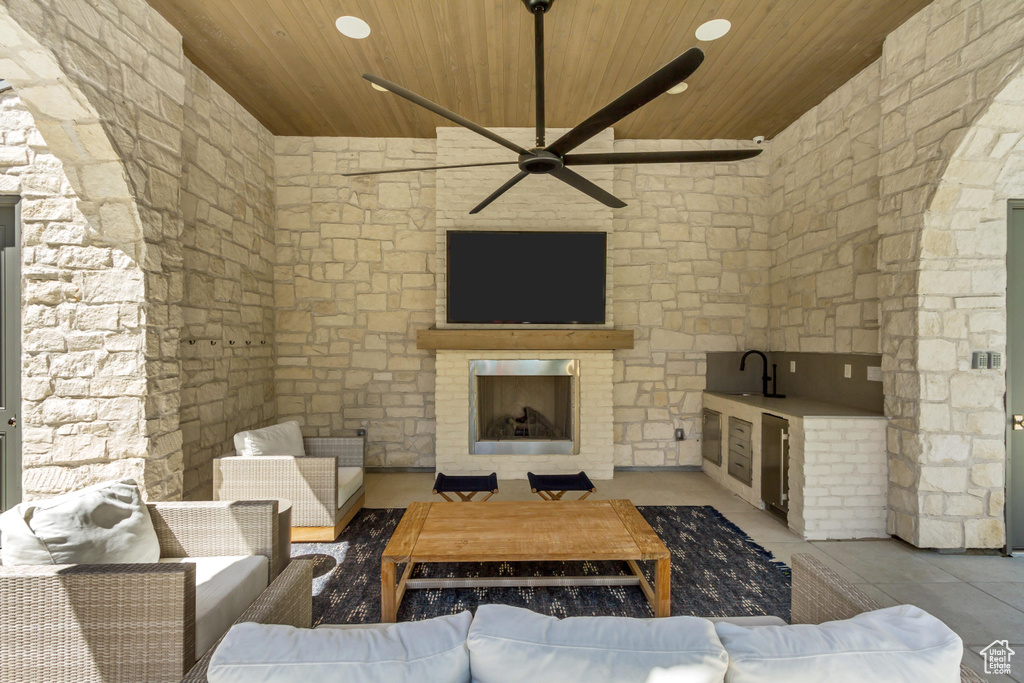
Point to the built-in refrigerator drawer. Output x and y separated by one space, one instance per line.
739 450
711 436
775 465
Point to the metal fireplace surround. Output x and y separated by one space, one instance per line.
558 368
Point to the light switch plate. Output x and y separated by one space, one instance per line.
847 371
792 366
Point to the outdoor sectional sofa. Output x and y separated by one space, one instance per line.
254 654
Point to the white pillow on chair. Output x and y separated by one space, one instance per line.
106 523
282 439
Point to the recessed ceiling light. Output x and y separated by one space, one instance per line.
352 27
379 87
677 88
713 30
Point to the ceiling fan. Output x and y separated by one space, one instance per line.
554 159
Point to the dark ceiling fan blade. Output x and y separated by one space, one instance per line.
676 71
500 191
588 188
429 168
441 111
681 157
538 67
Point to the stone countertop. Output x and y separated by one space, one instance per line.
796 407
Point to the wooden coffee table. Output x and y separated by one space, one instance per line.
524 532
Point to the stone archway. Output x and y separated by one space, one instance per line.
96 371
944 246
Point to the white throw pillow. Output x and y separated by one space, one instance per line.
106 523
282 439
902 644
511 644
412 652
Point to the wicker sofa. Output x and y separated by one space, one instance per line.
137 622
310 482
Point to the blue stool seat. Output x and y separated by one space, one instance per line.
465 487
554 486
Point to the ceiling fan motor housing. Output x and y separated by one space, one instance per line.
538 5
540 161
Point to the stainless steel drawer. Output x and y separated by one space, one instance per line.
740 469
740 428
711 436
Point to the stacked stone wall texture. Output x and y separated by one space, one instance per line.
105 83
950 123
227 344
824 224
691 276
354 280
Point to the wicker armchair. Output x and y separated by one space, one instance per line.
133 622
309 482
819 595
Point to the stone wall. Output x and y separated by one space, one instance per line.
691 276
83 365
227 344
105 85
942 244
824 224
353 281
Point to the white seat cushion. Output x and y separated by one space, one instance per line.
432 650
225 587
282 439
762 620
901 644
509 644
349 481
105 523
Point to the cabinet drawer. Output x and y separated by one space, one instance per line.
739 428
740 469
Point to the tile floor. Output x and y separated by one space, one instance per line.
981 597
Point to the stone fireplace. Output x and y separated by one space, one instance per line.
480 390
524 407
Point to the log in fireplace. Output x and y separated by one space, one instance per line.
524 407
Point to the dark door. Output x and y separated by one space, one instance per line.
775 465
10 353
1015 377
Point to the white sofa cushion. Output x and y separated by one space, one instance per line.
431 650
511 644
105 523
896 645
282 439
225 587
349 481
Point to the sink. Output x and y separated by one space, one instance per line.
737 393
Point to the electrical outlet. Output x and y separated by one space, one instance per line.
792 366
680 434
874 373
847 371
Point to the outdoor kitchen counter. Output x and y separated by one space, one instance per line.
795 407
838 471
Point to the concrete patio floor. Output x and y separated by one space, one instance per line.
981 597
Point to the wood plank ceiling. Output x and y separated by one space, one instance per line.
285 61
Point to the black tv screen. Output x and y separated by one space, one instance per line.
526 277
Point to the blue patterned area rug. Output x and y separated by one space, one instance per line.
717 570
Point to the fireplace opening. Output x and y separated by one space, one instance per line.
524 407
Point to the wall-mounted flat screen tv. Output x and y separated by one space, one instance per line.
526 277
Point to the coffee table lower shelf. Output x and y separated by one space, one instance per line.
625 534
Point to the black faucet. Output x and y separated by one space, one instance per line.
764 375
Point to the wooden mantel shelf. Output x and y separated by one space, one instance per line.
525 340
